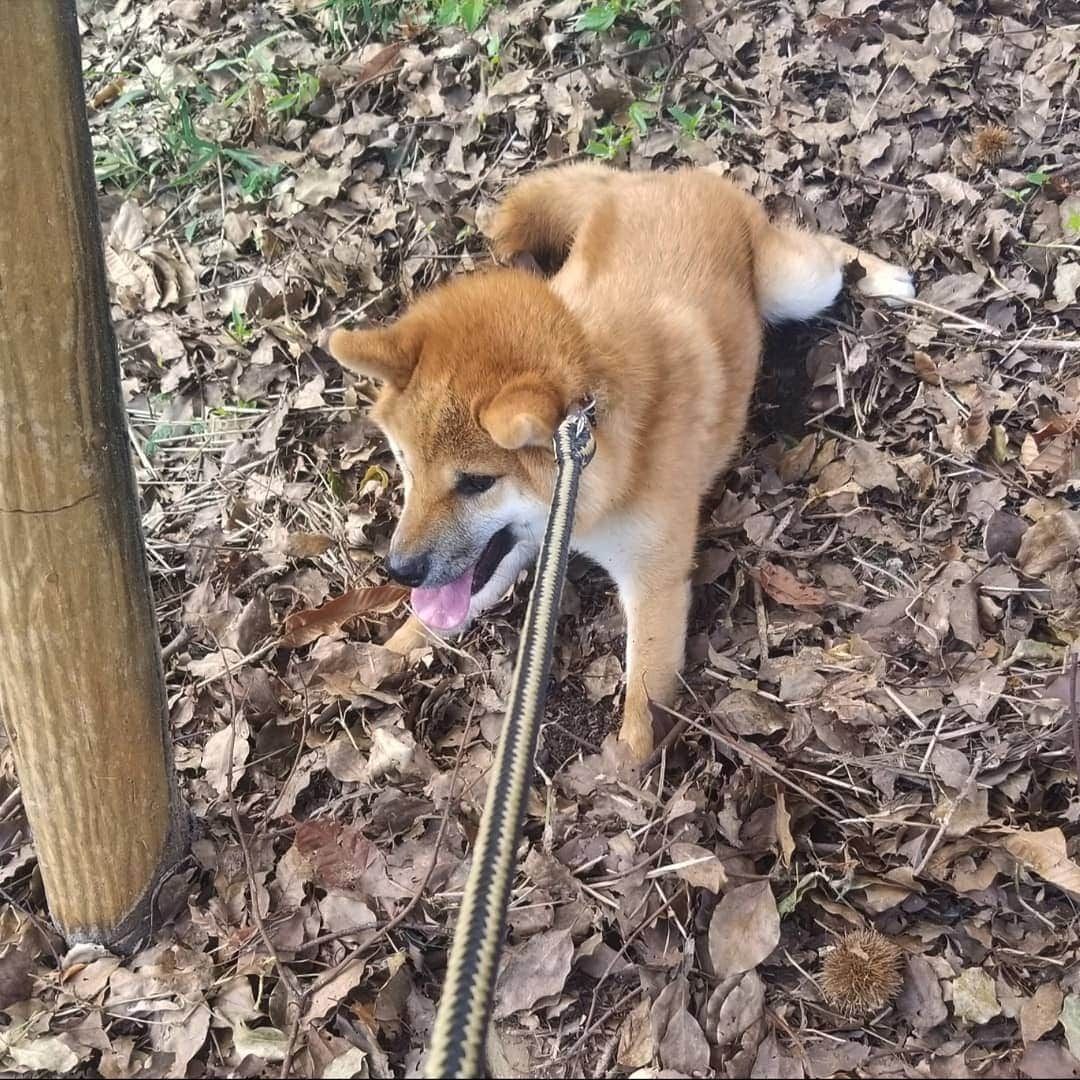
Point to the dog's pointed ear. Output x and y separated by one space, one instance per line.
524 413
388 354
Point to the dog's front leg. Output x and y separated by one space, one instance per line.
656 598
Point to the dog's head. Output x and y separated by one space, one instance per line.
476 376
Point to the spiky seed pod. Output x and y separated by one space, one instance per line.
991 144
861 973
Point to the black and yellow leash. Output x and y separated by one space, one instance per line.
461 1024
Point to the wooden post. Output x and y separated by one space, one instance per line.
81 690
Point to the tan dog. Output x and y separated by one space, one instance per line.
657 312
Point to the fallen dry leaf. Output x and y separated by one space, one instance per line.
535 970
339 855
1070 1022
698 866
304 627
380 63
44 1054
785 588
232 739
921 1000
1049 542
744 929
740 1008
329 994
746 713
974 996
1040 1013
304 545
636 1047
684 1048
1004 532
1049 1061
1044 853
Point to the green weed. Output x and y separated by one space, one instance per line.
289 93
601 17
466 13
258 183
119 164
381 18
609 141
604 14
378 17
238 327
705 119
1033 181
194 154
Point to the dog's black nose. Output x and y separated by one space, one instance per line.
410 570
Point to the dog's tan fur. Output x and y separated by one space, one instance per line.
656 310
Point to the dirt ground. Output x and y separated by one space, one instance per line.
880 699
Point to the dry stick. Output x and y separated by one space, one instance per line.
177 643
573 736
696 32
797 1043
645 864
668 740
604 1061
755 757
300 744
1000 341
947 313
603 1018
1047 344
762 621
8 806
969 785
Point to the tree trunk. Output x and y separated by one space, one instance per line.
81 690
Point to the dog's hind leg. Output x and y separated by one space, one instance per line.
798 274
542 215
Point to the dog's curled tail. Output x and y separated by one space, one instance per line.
541 216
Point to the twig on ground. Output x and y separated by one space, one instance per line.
602 1019
969 786
176 644
757 757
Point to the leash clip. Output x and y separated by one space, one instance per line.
574 437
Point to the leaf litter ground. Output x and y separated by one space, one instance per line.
876 731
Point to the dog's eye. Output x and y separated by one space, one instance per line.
474 483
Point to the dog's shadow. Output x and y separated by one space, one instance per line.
781 404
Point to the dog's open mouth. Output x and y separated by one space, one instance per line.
447 607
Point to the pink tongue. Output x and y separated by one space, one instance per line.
446 607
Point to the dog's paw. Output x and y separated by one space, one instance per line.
636 732
885 281
411 634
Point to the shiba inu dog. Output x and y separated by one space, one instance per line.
661 285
